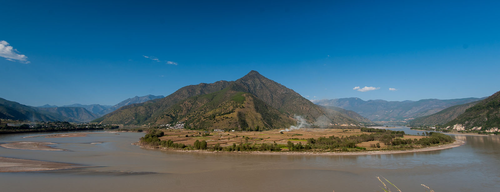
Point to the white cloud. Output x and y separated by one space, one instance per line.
158 60
171 63
11 54
152 58
365 89
392 89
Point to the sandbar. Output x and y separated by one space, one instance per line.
24 165
42 146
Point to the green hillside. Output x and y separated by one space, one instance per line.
485 115
226 109
280 97
138 114
195 105
441 117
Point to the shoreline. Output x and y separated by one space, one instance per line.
457 143
14 165
453 133
469 134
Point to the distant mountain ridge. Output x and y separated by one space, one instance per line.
75 114
96 109
16 111
130 101
70 113
351 114
381 110
196 105
100 110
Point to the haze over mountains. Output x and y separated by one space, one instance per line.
381 110
246 103
70 113
101 110
16 111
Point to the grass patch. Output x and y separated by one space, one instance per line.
238 98
295 139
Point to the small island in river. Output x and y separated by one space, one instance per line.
356 141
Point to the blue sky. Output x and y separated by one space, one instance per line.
87 52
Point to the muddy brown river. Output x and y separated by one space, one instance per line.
110 163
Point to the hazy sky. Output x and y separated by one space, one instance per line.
103 52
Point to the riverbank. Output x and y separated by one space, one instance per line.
457 143
12 165
41 146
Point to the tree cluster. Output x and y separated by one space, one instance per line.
200 145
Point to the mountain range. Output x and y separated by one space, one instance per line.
247 103
255 102
101 110
16 111
70 113
381 110
75 114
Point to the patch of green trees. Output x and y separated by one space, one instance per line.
200 145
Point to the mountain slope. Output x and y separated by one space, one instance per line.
75 114
225 109
137 114
16 111
380 110
485 115
441 117
284 99
275 96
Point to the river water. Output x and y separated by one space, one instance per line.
116 165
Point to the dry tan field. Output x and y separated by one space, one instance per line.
188 137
